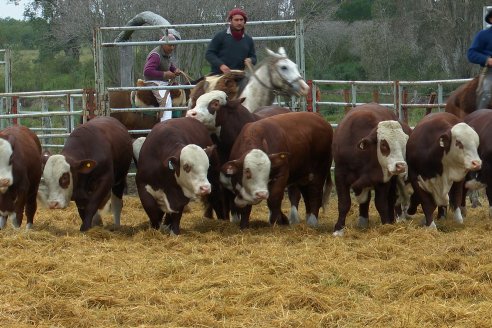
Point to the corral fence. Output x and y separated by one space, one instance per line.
409 99
102 33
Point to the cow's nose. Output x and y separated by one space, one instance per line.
205 190
261 194
4 182
476 165
53 204
400 167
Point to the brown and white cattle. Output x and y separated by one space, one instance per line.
91 169
173 168
275 152
225 118
440 151
481 121
369 153
20 174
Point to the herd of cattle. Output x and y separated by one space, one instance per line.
233 159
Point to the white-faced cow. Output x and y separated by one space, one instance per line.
91 169
369 153
20 174
224 119
440 151
176 161
275 152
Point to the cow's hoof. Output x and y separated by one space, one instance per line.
338 233
29 226
432 226
363 222
294 216
165 228
458 218
312 221
3 220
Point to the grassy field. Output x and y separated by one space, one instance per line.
214 275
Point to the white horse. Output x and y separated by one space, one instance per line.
275 75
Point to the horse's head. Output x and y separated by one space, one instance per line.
285 75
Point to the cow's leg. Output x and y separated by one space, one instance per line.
294 198
116 207
244 215
455 199
391 199
344 203
428 206
172 221
363 197
488 193
3 220
92 205
381 194
275 206
31 206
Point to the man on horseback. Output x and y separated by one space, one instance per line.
480 52
160 68
231 48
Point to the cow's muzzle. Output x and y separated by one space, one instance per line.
475 165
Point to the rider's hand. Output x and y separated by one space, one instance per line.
168 75
247 62
489 62
224 68
177 72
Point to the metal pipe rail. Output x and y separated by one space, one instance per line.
60 93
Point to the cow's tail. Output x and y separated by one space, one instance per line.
326 192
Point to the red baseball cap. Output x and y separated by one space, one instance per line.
237 11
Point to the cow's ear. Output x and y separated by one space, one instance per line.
445 140
86 166
279 159
230 168
242 99
364 143
172 163
214 105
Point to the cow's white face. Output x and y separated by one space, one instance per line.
252 186
462 156
206 108
58 182
6 175
391 149
193 170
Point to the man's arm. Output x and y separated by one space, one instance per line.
252 52
476 54
151 69
213 50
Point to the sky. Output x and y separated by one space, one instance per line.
11 10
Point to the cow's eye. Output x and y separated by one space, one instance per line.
247 174
384 147
64 180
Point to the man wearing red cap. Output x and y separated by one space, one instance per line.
231 48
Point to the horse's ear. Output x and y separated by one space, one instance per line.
281 52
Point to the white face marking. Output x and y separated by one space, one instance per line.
6 176
256 174
394 163
57 197
200 111
193 170
460 159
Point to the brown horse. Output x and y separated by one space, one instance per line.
463 100
142 98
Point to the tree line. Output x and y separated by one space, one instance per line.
344 39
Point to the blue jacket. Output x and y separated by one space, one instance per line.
481 48
224 49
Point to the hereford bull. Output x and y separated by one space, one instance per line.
225 118
275 152
20 174
174 162
481 121
369 153
440 151
90 169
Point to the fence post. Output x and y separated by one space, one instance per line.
346 98
309 97
405 108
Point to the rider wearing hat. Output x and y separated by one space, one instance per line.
231 48
480 52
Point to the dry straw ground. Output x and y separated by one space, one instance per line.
214 275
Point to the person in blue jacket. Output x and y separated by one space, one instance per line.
231 48
480 52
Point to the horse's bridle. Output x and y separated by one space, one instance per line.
278 91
